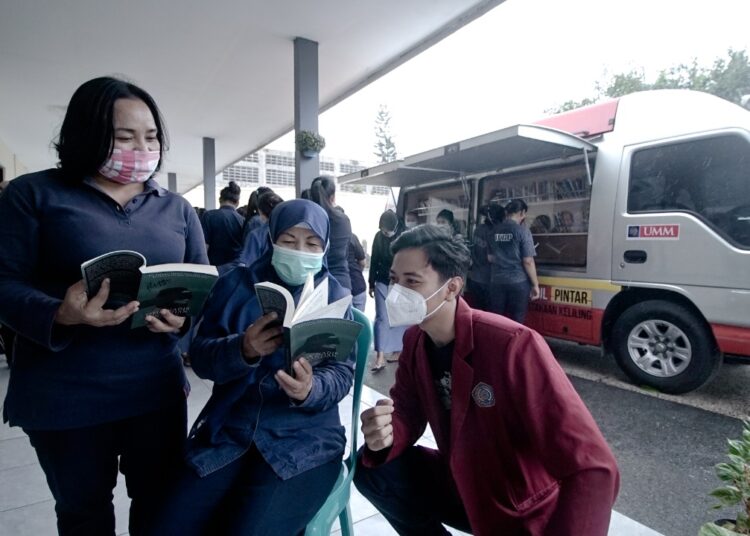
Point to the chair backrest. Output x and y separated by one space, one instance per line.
364 340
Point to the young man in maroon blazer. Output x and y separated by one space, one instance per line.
518 452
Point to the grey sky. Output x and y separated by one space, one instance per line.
524 57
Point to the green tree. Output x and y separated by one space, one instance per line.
728 78
385 148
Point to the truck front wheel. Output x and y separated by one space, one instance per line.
664 345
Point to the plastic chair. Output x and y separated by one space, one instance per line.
337 503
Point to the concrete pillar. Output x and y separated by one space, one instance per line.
305 107
209 173
172 182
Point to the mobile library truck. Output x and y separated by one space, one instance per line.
640 212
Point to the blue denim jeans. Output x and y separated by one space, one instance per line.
511 300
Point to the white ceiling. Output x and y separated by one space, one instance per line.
220 69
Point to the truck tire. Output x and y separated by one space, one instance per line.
664 345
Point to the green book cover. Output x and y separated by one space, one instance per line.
181 288
321 340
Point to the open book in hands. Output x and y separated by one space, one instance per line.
313 329
181 288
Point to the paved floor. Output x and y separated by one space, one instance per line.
27 509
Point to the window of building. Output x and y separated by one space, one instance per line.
240 173
558 216
326 166
708 177
427 203
279 160
279 177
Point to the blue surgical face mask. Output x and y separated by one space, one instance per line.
292 265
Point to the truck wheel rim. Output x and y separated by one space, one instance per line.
659 348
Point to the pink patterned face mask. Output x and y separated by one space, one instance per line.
127 166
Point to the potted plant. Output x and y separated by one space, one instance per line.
309 143
736 489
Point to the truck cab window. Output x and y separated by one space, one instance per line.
707 177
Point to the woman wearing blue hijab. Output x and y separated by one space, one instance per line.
266 450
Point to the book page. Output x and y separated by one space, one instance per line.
181 267
336 309
315 300
277 299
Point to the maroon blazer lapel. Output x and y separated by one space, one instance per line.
462 373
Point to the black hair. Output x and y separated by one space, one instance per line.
252 206
321 191
230 193
447 215
87 134
515 206
496 212
305 194
267 201
448 256
388 221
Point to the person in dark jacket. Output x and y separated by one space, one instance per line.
266 450
323 192
518 452
478 283
387 338
252 214
223 227
93 395
356 265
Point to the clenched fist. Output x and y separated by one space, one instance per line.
376 425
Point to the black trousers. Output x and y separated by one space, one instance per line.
81 468
414 492
245 498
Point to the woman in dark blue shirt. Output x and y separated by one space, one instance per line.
223 227
92 394
266 450
323 192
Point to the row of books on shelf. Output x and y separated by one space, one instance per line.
548 190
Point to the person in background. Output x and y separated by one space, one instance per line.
517 450
258 237
223 227
478 284
252 216
445 217
411 220
387 338
541 225
266 450
305 194
93 395
356 265
323 192
513 271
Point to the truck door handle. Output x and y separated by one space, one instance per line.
635 256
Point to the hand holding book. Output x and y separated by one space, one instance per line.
262 337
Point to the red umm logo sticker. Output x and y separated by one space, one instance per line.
670 231
483 395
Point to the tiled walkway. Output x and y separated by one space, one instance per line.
27 509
